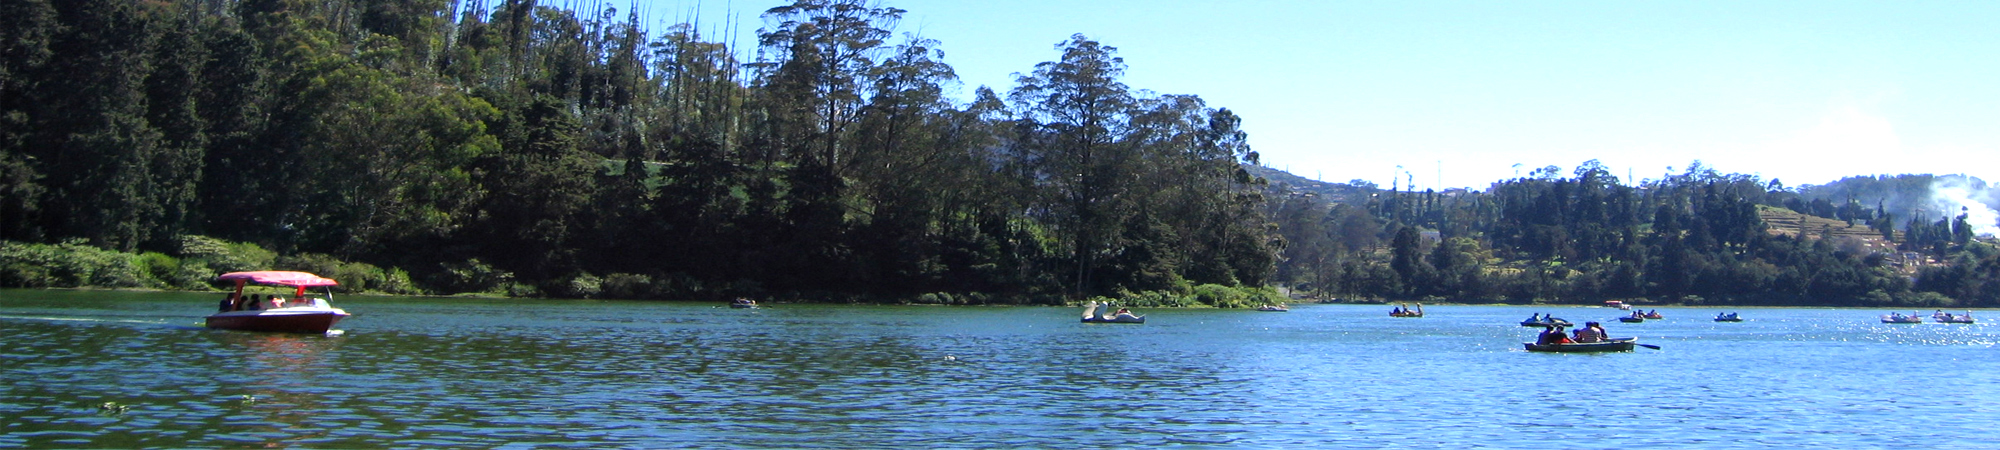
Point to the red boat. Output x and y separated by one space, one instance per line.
298 314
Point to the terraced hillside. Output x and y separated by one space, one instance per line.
1786 222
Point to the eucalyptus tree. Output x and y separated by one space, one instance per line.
813 64
1072 119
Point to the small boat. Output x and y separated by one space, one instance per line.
743 303
298 314
1617 304
1730 317
1407 312
1900 318
1546 321
1632 319
1655 315
1609 345
1944 317
1273 308
1093 312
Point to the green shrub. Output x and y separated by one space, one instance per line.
225 256
578 285
473 276
69 264
1150 299
627 285
396 281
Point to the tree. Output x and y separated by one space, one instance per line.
1073 113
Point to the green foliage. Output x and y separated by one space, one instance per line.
473 276
70 264
225 256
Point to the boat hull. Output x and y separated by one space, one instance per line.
300 320
1560 323
1615 345
1140 319
1632 319
1728 320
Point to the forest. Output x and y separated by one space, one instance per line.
526 149
438 146
1698 237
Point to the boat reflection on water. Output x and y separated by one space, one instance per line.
277 388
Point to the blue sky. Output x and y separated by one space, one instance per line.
1803 91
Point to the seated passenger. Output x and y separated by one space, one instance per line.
1590 332
1552 335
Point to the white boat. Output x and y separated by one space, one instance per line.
1273 308
1093 312
1945 317
297 314
1900 318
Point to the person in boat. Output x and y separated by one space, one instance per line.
228 301
1590 332
1537 317
1396 311
1552 335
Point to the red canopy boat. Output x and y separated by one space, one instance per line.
298 314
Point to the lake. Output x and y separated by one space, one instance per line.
430 372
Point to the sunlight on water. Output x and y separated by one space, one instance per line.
117 369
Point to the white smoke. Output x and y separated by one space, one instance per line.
1956 195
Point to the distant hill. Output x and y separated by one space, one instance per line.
1333 192
1911 195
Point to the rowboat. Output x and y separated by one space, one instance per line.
1731 317
298 314
1407 312
1613 345
1631 319
1273 308
743 303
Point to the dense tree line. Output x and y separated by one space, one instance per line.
1695 237
547 151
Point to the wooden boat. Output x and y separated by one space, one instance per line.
1610 345
1273 308
298 314
1093 312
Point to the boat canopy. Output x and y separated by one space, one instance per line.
278 278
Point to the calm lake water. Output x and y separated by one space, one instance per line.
411 372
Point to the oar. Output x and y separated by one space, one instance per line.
1651 346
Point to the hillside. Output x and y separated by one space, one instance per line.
1785 222
1332 192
